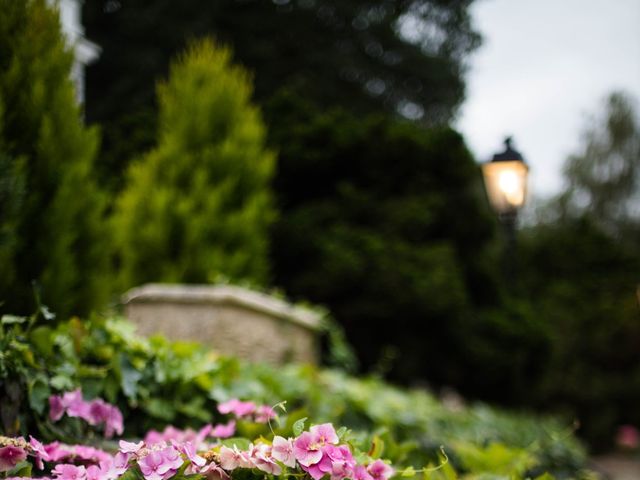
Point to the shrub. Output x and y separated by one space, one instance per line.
199 204
106 359
51 211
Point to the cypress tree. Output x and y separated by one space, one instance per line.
52 230
198 205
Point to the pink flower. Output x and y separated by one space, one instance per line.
319 469
380 470
56 408
214 472
56 451
152 437
189 451
238 408
260 455
264 414
283 451
65 471
130 447
89 453
116 466
232 458
10 456
360 473
113 421
94 473
324 434
155 466
39 451
306 449
628 437
202 434
75 405
224 431
97 411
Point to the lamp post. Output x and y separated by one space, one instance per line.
505 178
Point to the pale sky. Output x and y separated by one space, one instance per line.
543 68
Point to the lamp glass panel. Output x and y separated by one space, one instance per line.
506 184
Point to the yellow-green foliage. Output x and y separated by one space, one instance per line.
52 224
199 204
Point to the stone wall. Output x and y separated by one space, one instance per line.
231 320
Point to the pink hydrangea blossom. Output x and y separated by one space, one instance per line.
238 408
95 412
39 452
380 470
360 473
160 464
10 456
324 434
628 437
283 451
260 456
224 430
306 449
202 434
189 451
232 458
66 471
75 406
94 473
130 447
56 408
113 421
213 472
319 469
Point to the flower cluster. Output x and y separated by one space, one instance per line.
247 410
175 454
94 412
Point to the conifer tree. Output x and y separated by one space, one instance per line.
199 204
51 221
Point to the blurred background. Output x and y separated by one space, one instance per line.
332 150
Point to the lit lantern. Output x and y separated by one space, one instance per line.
505 178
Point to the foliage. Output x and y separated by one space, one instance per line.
580 267
46 156
584 284
106 359
604 176
404 56
385 223
199 204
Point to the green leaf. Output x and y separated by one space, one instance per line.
160 408
38 393
22 469
298 426
62 382
241 443
129 377
341 431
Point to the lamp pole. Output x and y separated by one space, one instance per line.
505 178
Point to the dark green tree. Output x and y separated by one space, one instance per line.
403 56
199 204
51 228
581 267
603 178
385 223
